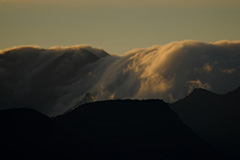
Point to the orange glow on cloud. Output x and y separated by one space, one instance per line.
166 72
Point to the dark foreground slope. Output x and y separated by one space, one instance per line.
123 129
28 134
143 129
213 117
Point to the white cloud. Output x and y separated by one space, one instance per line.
53 80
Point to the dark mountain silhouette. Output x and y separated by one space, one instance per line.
88 98
121 129
135 129
213 117
28 134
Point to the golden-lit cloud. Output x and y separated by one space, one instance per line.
229 71
197 84
207 67
56 79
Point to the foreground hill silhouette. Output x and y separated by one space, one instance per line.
121 129
28 134
213 117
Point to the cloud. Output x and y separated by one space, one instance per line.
162 71
53 80
197 84
207 67
42 78
229 71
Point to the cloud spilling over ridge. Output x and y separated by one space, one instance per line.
53 80
41 78
173 70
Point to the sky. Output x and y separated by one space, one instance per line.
116 25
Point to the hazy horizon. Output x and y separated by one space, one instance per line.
116 26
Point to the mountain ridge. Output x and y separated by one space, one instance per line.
120 129
213 117
53 80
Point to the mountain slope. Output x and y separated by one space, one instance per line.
110 129
27 134
213 117
148 129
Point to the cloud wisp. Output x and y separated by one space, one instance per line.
53 80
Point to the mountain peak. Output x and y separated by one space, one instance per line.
138 127
88 98
213 115
200 91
